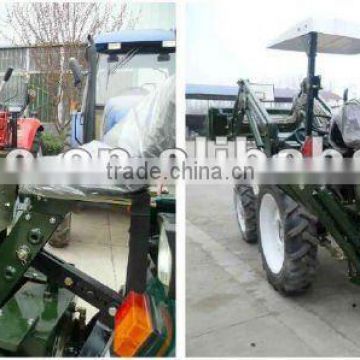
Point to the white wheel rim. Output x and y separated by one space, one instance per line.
240 212
272 233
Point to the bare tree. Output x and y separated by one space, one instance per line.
56 31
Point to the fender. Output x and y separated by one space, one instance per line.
27 129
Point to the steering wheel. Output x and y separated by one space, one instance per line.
300 135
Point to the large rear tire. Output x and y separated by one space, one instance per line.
245 209
289 260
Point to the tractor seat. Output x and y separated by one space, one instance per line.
345 127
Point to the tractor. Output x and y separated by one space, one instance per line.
290 221
39 315
17 131
127 66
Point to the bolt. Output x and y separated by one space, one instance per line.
35 236
112 311
23 253
27 217
68 281
52 221
10 272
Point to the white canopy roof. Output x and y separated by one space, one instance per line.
334 37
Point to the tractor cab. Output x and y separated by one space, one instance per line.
129 66
311 113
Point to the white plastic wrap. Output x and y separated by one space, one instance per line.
145 132
347 121
149 128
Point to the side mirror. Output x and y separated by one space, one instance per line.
90 39
76 71
90 47
8 74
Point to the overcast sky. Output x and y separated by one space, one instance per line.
227 40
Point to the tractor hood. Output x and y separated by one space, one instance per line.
118 107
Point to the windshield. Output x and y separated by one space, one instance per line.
131 73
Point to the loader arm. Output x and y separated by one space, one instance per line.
248 106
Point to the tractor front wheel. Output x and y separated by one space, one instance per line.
245 203
289 260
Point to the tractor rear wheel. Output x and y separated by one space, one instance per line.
289 260
245 203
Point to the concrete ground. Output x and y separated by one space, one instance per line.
233 311
99 246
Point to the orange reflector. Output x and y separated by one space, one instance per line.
307 149
133 325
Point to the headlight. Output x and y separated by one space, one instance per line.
164 259
166 264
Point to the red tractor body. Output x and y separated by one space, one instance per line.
26 131
4 129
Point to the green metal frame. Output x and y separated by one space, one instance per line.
37 313
27 238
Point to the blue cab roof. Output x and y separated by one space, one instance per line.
130 37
